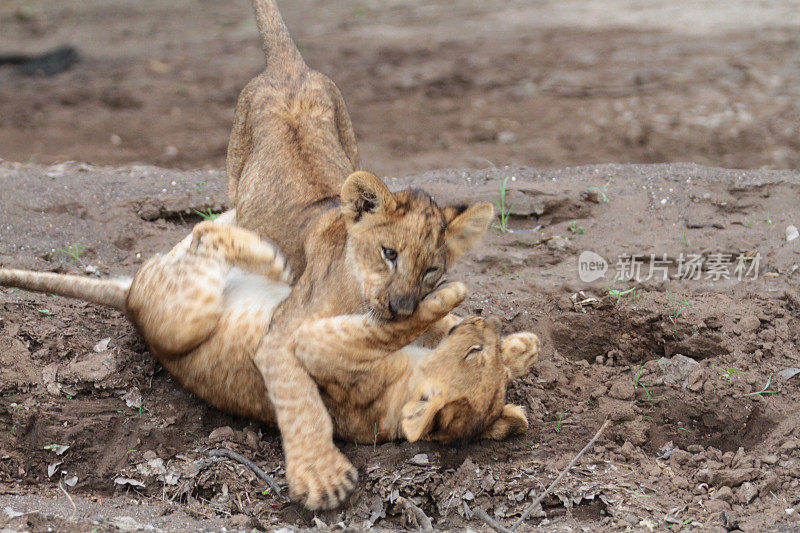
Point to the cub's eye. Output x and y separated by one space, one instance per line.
472 349
389 254
431 271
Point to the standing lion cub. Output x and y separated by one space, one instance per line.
203 312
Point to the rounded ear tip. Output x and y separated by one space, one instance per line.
360 174
494 323
485 209
354 180
415 419
363 191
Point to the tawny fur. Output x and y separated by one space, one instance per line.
293 178
292 143
204 309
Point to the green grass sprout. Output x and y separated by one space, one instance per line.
760 394
503 207
207 215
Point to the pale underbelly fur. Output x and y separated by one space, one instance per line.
221 369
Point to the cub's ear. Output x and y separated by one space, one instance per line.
520 352
418 417
450 421
363 192
511 422
465 227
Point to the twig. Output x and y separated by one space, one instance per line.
422 519
500 528
491 522
74 508
548 490
221 452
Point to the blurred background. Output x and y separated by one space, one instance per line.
429 84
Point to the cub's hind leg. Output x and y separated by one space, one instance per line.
176 302
240 248
228 217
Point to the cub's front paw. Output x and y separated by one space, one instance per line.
441 301
520 353
322 481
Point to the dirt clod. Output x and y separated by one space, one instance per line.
679 457
727 477
725 494
222 433
747 493
622 390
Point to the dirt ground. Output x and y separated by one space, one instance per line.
432 84
675 365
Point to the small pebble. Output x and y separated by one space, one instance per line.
791 233
727 458
506 137
747 492
557 243
716 506
221 433
789 373
420 459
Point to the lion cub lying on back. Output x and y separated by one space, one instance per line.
203 312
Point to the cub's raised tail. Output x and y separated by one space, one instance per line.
276 41
111 293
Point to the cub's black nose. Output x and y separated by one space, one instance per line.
402 306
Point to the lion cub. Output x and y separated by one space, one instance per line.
292 149
203 312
